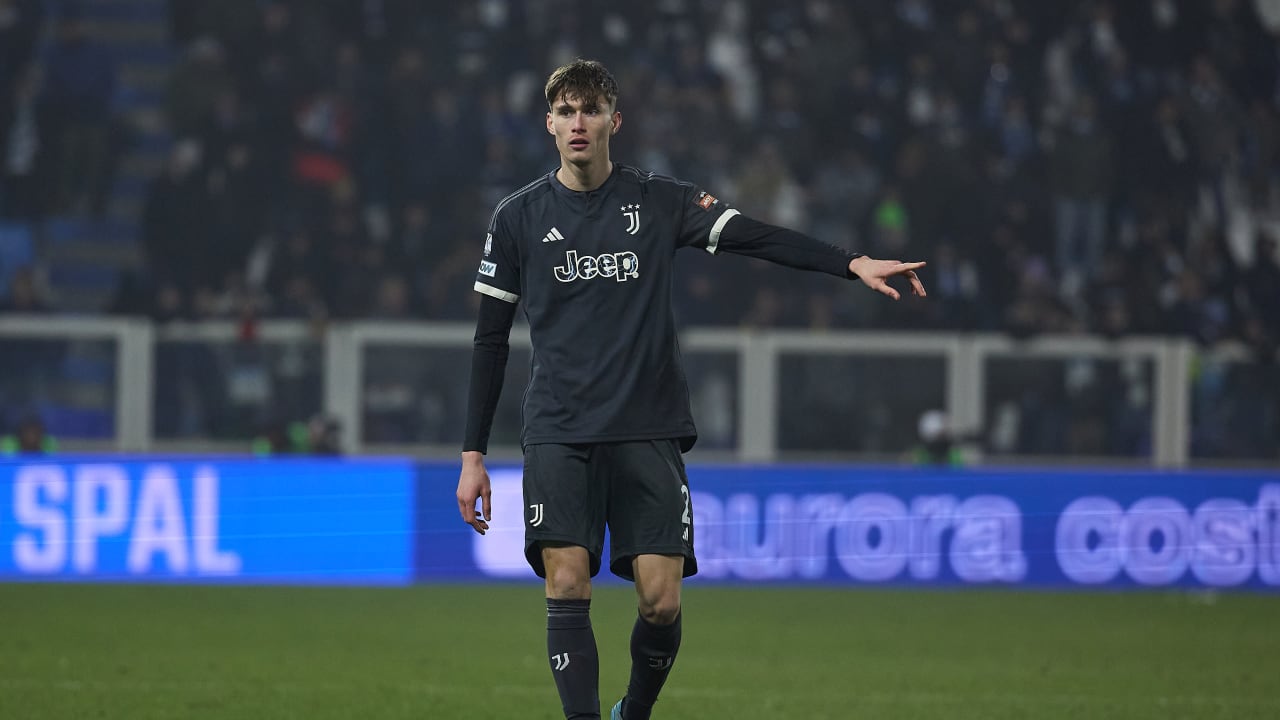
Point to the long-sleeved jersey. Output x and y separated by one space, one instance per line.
593 271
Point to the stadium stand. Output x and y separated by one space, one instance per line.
1100 168
1134 157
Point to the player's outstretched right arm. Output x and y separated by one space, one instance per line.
488 368
745 236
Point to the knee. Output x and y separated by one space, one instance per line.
567 582
661 608
568 572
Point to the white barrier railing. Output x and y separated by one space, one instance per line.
346 348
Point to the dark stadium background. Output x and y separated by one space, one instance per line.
234 233
1081 170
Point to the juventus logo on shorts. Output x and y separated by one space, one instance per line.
536 520
632 213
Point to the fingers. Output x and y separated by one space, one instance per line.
897 267
468 512
917 287
883 287
486 503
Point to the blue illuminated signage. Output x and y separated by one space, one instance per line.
207 521
907 526
380 522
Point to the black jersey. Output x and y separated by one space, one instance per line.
593 271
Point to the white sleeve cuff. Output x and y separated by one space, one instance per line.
499 293
713 240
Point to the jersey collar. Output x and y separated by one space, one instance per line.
604 188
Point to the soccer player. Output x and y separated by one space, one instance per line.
589 250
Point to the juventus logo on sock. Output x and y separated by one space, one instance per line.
562 661
661 663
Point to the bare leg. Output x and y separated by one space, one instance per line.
571 643
655 639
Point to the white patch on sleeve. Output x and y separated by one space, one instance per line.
494 292
713 240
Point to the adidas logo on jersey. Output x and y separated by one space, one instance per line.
552 236
619 266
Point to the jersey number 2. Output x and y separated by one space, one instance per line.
684 517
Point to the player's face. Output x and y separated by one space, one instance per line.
582 129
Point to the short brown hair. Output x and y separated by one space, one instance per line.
585 80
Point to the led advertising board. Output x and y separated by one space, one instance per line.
910 526
207 520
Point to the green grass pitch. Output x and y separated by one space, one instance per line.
453 652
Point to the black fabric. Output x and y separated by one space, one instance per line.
650 508
488 368
566 501
639 489
575 664
593 271
653 652
746 236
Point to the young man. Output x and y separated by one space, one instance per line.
589 249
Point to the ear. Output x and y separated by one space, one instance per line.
551 129
617 123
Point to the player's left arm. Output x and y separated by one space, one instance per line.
742 235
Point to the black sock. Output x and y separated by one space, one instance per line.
653 651
571 647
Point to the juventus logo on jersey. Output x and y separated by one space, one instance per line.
536 520
632 213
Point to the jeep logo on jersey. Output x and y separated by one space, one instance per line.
619 266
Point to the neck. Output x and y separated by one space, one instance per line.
584 177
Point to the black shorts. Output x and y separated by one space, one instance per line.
639 488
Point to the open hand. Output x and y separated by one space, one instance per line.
875 274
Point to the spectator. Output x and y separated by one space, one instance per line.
20 22
30 438
23 149
79 91
1080 175
25 294
176 219
195 86
938 445
1262 289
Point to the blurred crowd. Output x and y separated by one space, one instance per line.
1067 167
1108 167
59 134
1105 167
